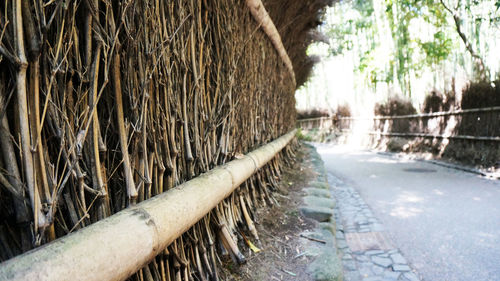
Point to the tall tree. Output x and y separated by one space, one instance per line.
478 60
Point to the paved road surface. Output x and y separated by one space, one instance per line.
445 222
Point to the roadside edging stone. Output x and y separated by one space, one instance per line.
320 185
319 205
318 192
319 214
320 202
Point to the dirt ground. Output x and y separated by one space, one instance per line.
282 255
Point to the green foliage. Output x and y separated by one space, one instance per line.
410 46
437 50
357 30
355 17
340 41
305 136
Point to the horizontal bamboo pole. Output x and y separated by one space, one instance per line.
411 116
420 135
118 246
428 136
429 115
314 119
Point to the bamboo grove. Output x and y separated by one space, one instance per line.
104 104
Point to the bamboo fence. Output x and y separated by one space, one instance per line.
477 124
105 104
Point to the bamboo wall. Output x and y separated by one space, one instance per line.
104 104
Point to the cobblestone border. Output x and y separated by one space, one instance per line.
366 253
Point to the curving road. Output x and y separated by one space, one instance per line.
445 222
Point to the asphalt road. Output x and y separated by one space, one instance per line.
445 222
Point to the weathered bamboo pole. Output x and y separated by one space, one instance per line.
264 20
106 250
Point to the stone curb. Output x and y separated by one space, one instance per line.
318 192
319 205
